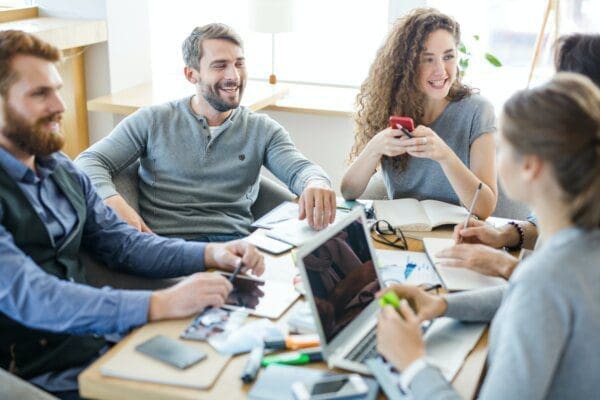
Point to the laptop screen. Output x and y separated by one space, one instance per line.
342 277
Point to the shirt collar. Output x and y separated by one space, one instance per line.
232 117
21 173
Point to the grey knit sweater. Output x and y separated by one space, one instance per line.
544 338
192 182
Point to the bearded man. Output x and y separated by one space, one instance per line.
200 156
52 325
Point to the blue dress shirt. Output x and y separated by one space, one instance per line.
42 301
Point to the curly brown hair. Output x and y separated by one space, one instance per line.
392 87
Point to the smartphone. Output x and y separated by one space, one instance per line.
406 124
269 245
248 292
338 387
171 351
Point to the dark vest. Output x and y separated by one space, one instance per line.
29 352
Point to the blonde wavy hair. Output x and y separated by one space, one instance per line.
392 86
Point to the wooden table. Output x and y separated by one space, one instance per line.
229 386
257 95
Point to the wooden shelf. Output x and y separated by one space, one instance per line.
318 100
62 33
162 89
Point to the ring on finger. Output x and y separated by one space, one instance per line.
424 140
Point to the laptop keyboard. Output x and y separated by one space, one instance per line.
365 349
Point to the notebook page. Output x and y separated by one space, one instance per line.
455 278
441 213
406 214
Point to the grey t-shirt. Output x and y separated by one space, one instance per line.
459 125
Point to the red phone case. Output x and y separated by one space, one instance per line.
406 122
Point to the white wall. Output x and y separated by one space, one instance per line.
112 66
124 63
325 140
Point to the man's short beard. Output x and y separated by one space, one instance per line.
32 138
211 95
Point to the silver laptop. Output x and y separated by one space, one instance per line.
339 273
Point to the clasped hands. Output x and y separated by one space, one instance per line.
425 143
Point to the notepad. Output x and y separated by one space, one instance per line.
127 363
456 278
414 215
296 232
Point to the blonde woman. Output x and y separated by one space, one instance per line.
545 323
415 74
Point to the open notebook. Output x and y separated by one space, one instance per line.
455 278
415 215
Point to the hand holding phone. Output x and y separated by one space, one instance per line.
405 124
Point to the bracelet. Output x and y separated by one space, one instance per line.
521 237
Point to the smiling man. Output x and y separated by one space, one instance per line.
51 322
200 156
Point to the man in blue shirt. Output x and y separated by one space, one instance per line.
51 323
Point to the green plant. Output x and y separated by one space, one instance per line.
465 55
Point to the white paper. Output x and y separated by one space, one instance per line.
285 211
407 267
297 232
456 278
448 342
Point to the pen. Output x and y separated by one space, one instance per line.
475 197
278 220
253 364
429 288
236 272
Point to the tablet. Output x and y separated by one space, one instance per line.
262 298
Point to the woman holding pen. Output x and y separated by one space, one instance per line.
482 245
415 74
547 319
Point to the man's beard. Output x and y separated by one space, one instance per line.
33 138
212 97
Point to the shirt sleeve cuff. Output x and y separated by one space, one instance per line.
105 190
193 257
410 372
133 309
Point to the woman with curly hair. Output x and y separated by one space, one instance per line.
415 74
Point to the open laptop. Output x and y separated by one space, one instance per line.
341 279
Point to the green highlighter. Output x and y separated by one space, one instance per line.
294 357
390 299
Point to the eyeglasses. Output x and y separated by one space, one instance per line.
381 231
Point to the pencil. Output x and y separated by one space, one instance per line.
236 272
473 203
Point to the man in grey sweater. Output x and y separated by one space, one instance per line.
200 156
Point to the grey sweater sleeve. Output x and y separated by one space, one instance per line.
289 165
527 339
109 156
475 305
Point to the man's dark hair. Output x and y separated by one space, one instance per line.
192 45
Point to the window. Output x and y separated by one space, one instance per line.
508 29
334 41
